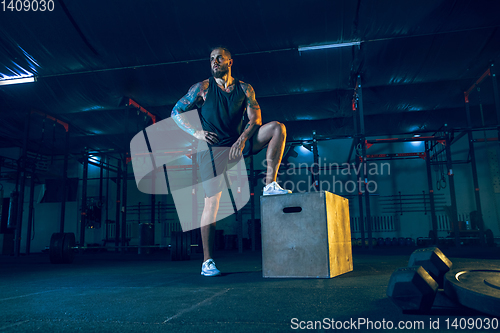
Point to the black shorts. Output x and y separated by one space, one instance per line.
214 163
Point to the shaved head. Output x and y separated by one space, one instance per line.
225 49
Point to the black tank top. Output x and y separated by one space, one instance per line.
223 113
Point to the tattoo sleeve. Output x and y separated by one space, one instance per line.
189 102
253 111
251 101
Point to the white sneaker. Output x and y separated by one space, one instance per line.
274 188
208 268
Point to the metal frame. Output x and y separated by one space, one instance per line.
23 172
361 138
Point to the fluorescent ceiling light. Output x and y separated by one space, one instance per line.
326 46
93 158
18 80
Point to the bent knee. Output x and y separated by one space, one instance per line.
279 127
213 201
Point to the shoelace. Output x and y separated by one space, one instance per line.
273 186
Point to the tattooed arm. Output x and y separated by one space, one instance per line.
254 121
193 99
253 112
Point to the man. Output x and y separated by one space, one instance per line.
223 103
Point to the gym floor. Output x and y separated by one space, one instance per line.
117 292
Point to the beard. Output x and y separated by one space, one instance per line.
220 72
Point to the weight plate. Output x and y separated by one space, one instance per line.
475 288
56 248
68 254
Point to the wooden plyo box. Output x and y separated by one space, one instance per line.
305 235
